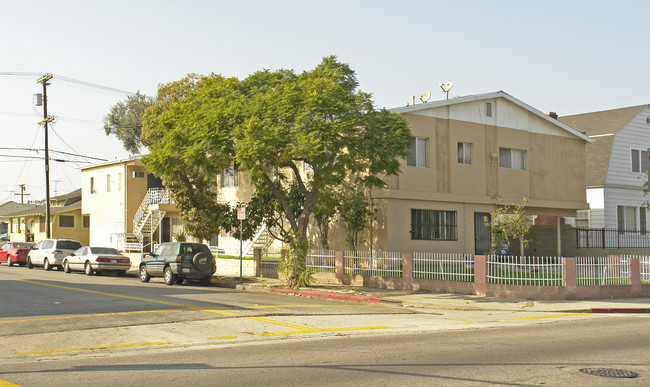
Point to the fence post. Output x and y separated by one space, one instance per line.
407 271
480 275
570 276
257 258
339 260
635 274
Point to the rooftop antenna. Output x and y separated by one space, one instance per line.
424 97
446 87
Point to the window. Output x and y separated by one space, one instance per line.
418 152
639 160
229 177
85 221
643 212
114 182
582 218
512 158
626 218
488 109
92 186
464 153
66 221
433 225
138 174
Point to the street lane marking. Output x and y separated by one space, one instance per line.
313 330
222 338
549 316
88 315
4 383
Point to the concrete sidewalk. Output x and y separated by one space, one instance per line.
435 300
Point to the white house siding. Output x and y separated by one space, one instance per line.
622 186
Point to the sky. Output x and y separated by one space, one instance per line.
569 57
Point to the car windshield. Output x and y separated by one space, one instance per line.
23 245
194 248
68 245
104 250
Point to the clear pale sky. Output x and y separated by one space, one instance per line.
565 56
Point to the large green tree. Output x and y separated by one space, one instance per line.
125 120
269 124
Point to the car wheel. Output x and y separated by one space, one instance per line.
46 265
205 281
29 263
121 273
9 263
66 267
180 280
88 269
144 276
170 277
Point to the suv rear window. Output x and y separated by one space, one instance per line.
194 248
68 245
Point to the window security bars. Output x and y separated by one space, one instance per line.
595 271
433 225
644 266
525 271
321 260
380 264
443 267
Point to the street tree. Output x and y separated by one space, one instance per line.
509 222
125 120
269 124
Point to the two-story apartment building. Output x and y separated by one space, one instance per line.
126 205
465 152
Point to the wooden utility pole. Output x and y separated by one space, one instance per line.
46 119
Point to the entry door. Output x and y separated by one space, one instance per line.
482 235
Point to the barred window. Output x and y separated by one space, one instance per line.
433 225
230 177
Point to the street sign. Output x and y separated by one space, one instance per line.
241 213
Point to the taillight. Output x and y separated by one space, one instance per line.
124 260
214 260
102 260
179 259
57 252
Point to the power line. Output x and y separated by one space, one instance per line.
67 79
54 151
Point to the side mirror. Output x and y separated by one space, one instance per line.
72 254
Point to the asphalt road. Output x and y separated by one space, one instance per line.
70 329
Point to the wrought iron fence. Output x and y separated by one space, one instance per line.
381 264
525 271
321 260
443 267
607 238
596 271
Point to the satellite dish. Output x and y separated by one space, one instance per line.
424 97
446 86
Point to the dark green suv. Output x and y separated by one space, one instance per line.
179 261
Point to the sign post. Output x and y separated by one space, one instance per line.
241 215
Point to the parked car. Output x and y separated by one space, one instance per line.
4 237
49 253
179 261
96 260
15 252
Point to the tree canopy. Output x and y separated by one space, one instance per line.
272 125
125 120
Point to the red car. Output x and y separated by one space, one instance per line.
15 252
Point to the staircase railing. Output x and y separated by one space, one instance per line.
143 216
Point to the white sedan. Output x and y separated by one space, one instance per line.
95 260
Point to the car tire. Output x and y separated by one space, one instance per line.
46 265
9 263
179 280
144 276
66 267
170 277
205 281
29 263
88 269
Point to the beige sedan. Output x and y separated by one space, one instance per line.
96 260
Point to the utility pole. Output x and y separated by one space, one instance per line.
22 193
46 119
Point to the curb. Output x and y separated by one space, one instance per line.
322 294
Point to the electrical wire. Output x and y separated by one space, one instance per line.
53 151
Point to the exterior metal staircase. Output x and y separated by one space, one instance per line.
148 217
262 239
